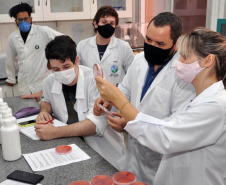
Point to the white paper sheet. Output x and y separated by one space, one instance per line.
29 131
47 159
12 182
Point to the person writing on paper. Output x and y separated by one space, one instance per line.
69 93
193 140
113 54
152 86
27 44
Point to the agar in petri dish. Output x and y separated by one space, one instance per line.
63 149
124 178
102 180
97 70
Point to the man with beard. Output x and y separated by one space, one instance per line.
27 44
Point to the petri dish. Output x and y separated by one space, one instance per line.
80 183
102 180
63 149
97 70
139 183
124 178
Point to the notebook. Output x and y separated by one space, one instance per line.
29 130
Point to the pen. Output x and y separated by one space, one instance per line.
49 121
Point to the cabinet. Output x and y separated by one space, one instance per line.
6 5
54 10
123 7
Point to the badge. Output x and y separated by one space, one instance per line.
114 69
36 46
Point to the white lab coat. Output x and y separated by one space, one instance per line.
31 58
106 141
193 141
118 53
162 99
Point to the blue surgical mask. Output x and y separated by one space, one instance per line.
25 26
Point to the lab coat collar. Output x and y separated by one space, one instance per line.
213 89
112 44
57 87
32 31
162 74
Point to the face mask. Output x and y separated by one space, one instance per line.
187 72
25 26
155 55
106 31
65 77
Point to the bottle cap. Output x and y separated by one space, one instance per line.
3 104
102 179
124 177
80 183
97 70
7 113
63 149
9 121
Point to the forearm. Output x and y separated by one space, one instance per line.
46 107
128 111
82 128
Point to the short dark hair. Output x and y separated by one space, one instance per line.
61 48
168 18
23 7
106 11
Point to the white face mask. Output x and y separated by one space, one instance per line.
187 72
65 77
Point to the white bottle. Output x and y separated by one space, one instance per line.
1 93
1 100
11 148
3 107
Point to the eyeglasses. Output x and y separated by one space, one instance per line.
24 19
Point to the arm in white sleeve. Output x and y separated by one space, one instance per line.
51 33
9 64
200 126
99 121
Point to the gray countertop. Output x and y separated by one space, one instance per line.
62 175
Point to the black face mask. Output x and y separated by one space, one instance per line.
155 55
106 31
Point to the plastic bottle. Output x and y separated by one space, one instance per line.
11 148
3 107
1 100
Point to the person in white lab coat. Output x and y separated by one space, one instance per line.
70 93
27 44
113 54
152 86
193 140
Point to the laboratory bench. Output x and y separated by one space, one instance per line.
62 175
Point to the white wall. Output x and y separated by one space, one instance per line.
77 30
